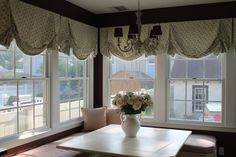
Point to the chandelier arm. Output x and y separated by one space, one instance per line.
150 44
127 47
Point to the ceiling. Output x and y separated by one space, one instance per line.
106 6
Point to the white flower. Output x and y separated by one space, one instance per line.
119 102
138 103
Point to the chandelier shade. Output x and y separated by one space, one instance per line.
118 32
157 30
133 29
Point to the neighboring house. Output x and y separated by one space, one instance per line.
133 84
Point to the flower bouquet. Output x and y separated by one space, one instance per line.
131 103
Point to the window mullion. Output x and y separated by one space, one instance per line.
18 116
33 101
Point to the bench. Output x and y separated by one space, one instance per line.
199 146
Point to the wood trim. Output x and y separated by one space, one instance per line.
171 14
159 15
98 77
66 9
42 141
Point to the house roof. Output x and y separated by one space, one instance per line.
132 83
195 69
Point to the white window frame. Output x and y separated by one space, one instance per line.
202 123
86 90
33 80
107 66
161 109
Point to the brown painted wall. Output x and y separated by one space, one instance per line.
66 9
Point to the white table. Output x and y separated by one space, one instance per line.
110 140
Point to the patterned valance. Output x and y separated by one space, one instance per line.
193 39
36 29
6 35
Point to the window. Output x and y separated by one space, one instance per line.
195 89
23 91
73 86
133 76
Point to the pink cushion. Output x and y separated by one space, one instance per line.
113 116
94 118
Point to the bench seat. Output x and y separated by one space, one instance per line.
199 146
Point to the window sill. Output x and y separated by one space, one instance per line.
192 126
17 140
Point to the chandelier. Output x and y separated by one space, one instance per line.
134 42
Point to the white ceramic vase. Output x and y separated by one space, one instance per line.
130 124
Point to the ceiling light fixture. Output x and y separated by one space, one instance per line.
134 42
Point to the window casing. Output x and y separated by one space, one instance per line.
23 92
195 89
73 89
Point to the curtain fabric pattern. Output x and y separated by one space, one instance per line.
193 39
6 34
36 29
83 39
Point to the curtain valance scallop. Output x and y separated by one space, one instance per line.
193 39
36 29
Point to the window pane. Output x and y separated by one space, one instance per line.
214 90
195 69
213 68
177 69
62 67
40 115
64 111
22 65
74 89
120 86
64 90
177 89
72 67
8 94
6 64
25 93
25 118
8 122
40 91
139 68
192 93
191 115
177 109
80 65
81 88
38 66
213 112
75 108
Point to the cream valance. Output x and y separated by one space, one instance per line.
193 39
6 34
36 29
